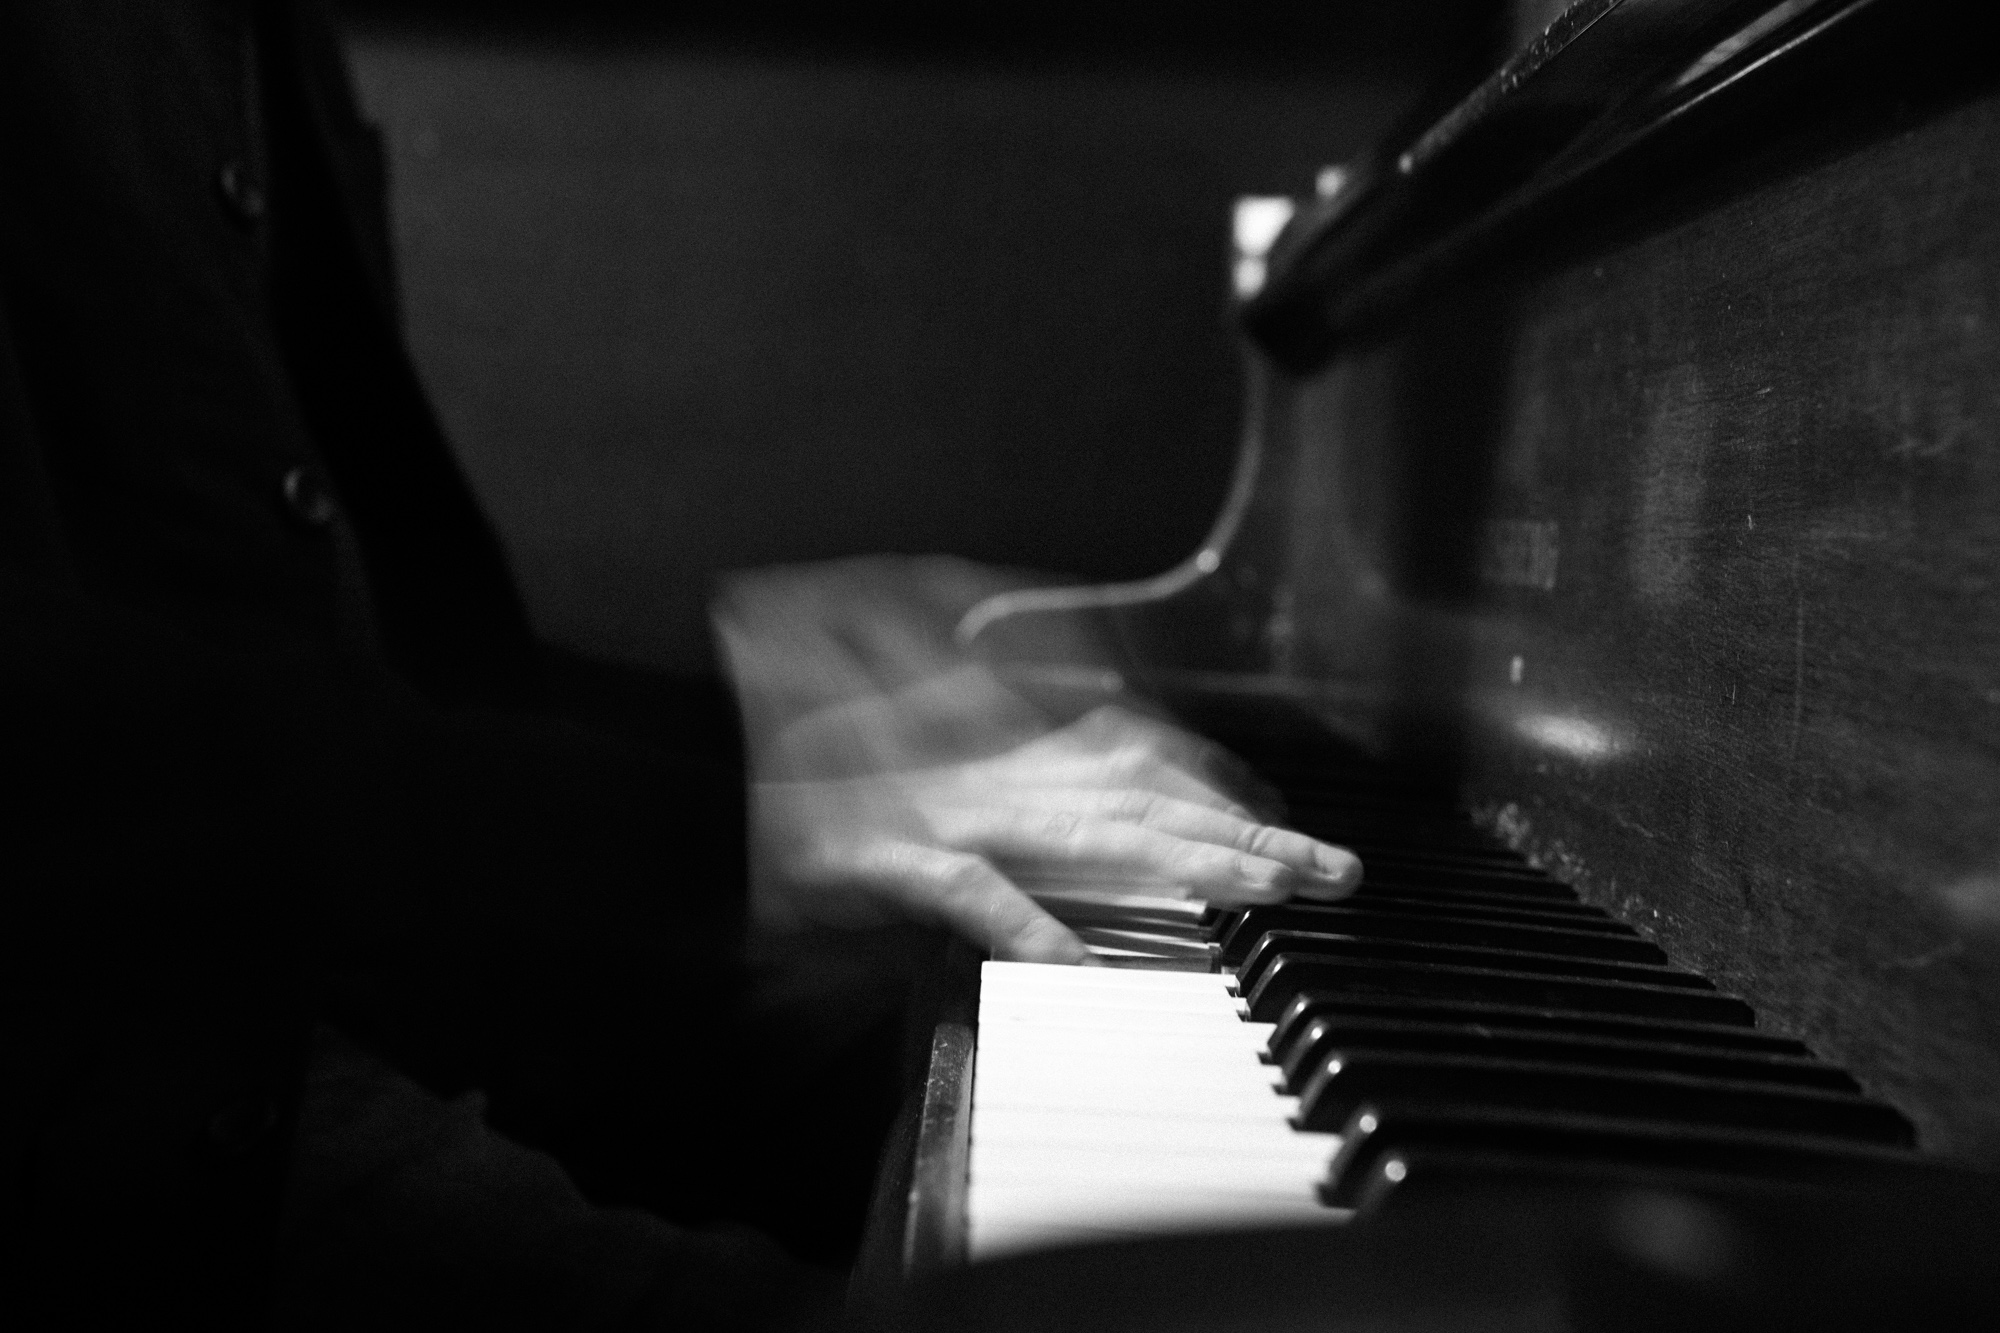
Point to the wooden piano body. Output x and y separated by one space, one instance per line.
1626 459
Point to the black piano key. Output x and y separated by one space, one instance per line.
1238 940
1502 867
1415 896
1418 817
1330 1037
1437 840
1443 842
1290 974
1080 909
1380 871
1430 928
1559 916
1310 1006
1387 1144
1432 837
1482 907
1342 1086
1275 943
1354 801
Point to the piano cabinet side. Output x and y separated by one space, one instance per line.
934 1222
917 1217
1671 536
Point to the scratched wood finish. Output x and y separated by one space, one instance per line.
1674 536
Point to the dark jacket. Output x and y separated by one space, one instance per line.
266 676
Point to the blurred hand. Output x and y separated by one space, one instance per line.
1112 800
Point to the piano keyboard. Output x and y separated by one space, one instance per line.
1110 1102
1462 1014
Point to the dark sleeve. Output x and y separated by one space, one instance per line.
154 1022
206 849
451 616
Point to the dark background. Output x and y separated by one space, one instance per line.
699 287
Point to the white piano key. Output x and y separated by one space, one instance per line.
1115 1102
1025 1132
1220 1109
998 1240
1144 942
1132 1200
1067 1049
1053 1007
1108 904
1113 1069
1199 1057
1060 974
1082 1168
1008 1224
1057 1032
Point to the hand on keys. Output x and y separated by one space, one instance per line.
1115 800
898 777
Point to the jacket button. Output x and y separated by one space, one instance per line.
241 1125
242 192
308 499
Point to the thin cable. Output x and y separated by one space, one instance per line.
1205 561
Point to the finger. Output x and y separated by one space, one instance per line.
1133 766
968 895
1233 778
1202 761
1144 746
1110 726
1150 771
1083 846
1324 870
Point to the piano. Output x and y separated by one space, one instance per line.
1612 562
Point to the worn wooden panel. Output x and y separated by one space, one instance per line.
1677 531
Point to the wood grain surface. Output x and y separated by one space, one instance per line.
1673 535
